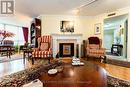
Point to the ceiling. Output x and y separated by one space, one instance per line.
35 8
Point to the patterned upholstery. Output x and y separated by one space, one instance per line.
95 50
37 53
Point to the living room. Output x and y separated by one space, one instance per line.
70 39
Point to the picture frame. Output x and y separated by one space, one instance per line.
67 26
97 28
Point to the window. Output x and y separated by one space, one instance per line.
18 38
1 28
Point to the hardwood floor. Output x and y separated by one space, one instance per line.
13 66
18 65
116 71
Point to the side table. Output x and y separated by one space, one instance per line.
27 53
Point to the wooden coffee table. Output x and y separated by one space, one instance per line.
89 75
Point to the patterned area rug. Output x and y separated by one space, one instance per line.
13 57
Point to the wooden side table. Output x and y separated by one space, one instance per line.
28 52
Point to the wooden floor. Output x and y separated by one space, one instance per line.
116 71
17 65
13 66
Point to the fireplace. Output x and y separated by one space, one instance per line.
66 49
67 38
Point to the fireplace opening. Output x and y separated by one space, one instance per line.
66 49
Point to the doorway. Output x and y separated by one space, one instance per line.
115 37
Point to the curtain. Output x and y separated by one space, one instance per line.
25 33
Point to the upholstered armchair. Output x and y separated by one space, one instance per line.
94 48
44 49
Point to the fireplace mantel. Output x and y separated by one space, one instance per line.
66 38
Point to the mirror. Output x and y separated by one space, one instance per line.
115 37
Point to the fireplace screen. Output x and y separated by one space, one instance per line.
66 49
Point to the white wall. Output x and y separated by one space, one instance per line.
100 19
82 25
16 19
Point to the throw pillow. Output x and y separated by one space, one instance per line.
44 46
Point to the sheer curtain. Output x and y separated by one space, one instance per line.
1 28
18 38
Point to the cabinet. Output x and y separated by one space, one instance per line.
35 32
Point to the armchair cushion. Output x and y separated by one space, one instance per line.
93 46
44 46
35 49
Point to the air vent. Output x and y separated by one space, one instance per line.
112 14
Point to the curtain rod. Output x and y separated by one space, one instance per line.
11 24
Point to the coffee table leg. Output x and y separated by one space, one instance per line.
105 59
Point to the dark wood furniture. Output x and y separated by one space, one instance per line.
7 49
118 49
89 75
35 32
27 53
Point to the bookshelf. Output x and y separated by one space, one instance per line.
35 32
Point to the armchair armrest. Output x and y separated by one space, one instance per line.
50 49
87 50
102 48
35 49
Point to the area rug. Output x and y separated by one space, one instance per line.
13 57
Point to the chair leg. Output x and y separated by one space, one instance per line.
49 61
87 57
105 59
32 60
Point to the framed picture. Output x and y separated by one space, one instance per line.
97 28
67 26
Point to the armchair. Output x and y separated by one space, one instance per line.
44 49
94 48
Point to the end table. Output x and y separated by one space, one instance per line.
27 53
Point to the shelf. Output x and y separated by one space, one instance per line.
34 32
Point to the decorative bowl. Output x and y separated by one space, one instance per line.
52 71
